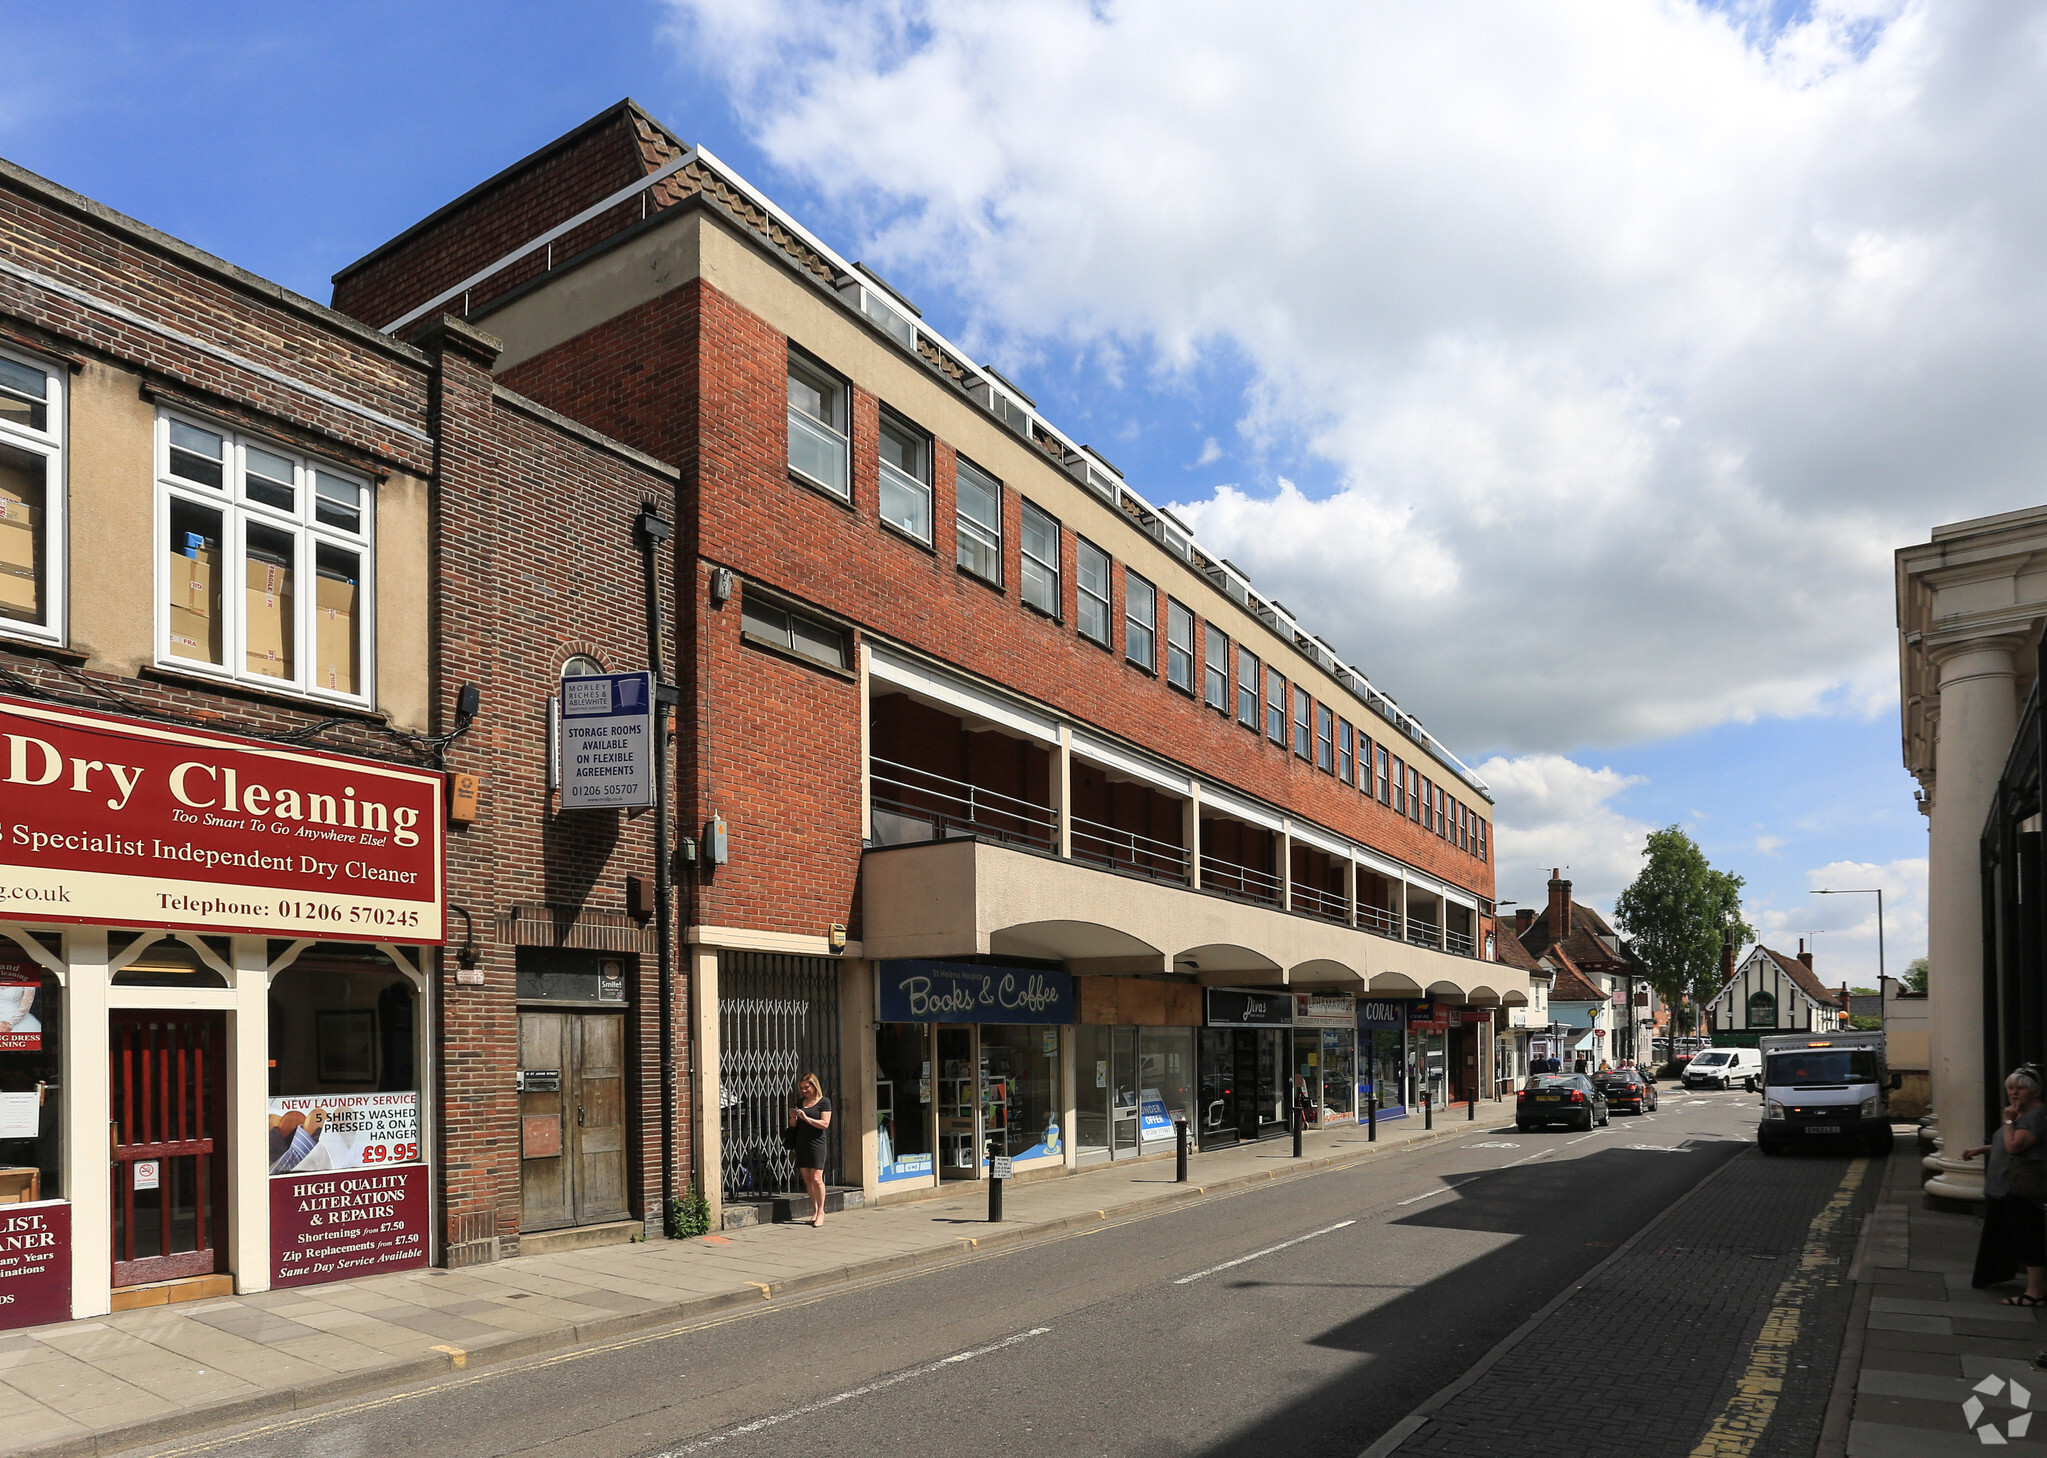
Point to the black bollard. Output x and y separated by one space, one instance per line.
1180 1154
1428 1111
1372 1117
1297 1132
994 1184
1471 1109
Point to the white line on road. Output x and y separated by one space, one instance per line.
1325 1230
758 1424
1583 1137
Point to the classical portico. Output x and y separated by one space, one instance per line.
1971 603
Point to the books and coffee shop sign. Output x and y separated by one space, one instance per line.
117 822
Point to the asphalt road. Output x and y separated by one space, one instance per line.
1308 1316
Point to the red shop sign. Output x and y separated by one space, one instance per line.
116 822
35 1263
329 1227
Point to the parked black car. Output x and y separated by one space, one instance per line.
1626 1088
1559 1098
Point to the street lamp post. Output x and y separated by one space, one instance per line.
1881 976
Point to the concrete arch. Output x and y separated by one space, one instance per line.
1396 984
1482 997
1446 989
1073 941
1325 972
1220 963
1513 998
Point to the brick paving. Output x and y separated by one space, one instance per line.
1664 1341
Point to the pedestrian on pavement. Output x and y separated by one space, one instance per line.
808 1121
2014 1186
1304 1105
1579 1065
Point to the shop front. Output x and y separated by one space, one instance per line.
1246 1050
1382 1055
969 1055
1326 1055
212 1004
1133 1065
1429 1065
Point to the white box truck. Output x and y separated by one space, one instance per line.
1825 1086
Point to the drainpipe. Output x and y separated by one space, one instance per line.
652 529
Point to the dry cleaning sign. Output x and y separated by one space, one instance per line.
607 741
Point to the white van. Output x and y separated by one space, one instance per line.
1825 1086
1725 1068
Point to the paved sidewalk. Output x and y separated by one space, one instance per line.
145 1376
1922 1344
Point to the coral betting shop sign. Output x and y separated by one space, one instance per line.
120 822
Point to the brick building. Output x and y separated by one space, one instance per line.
252 553
1006 807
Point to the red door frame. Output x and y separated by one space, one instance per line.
168 1105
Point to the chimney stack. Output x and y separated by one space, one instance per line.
1726 962
1559 906
1803 955
1524 918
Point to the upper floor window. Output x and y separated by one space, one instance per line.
1399 787
1140 622
818 427
772 625
1343 750
1325 739
1215 677
1091 590
31 497
978 530
1275 708
1040 561
1302 726
905 479
1478 840
1247 688
246 529
1379 753
1179 646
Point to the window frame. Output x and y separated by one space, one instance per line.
1480 836
1180 656
1215 677
1325 742
1414 794
920 438
52 444
1084 596
1133 626
841 391
1380 754
966 528
785 646
1398 804
1250 688
1026 558
1304 724
1275 706
238 512
1346 750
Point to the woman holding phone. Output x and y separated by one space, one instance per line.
2014 1224
808 1120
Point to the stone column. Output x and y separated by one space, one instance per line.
1978 717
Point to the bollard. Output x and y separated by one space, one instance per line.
1372 1117
1180 1154
1428 1110
1471 1109
994 1186
1297 1132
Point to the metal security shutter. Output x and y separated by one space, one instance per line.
778 1018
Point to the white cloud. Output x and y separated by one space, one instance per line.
1553 813
1843 928
1636 335
1768 845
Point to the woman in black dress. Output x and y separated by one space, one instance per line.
2014 1226
808 1121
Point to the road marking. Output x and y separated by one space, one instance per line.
1754 1402
1445 1190
1526 1157
1583 1137
878 1385
1325 1230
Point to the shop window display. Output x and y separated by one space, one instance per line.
1020 1089
1339 1074
1165 1079
902 1101
1383 1069
31 1060
343 1064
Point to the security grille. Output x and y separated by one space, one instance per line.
778 1018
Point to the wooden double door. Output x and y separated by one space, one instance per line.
169 1145
572 1119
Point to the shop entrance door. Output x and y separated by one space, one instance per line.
960 1144
169 1138
572 1126
1123 1110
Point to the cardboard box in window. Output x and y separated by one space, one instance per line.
335 665
18 541
268 622
16 511
193 577
21 595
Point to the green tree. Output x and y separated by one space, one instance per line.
1915 975
1676 914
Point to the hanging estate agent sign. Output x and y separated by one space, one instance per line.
117 822
35 1263
329 1227
1230 1008
607 741
915 991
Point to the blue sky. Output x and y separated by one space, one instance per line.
1575 372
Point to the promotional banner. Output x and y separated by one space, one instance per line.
35 1263
962 992
117 822
607 741
318 1132
21 1031
329 1227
